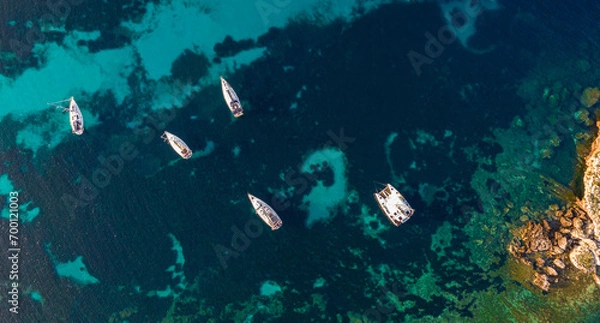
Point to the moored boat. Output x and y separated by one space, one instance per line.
231 98
393 205
75 116
177 144
265 212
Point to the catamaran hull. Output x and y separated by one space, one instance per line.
393 205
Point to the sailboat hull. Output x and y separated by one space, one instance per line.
75 117
231 98
265 212
180 147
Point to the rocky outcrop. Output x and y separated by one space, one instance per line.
549 246
591 184
569 236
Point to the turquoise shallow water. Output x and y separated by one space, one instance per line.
460 106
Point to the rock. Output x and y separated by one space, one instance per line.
565 222
540 244
546 225
589 229
551 271
540 262
569 213
593 249
541 281
557 236
562 243
591 185
577 234
589 97
581 258
532 231
574 230
558 263
556 250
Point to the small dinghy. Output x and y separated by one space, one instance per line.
177 144
231 98
265 212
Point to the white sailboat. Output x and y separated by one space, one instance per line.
231 98
75 116
265 212
393 205
177 144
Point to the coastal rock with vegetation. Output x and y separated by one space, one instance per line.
568 236
591 184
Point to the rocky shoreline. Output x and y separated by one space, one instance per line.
570 236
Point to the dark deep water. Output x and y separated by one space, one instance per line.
357 83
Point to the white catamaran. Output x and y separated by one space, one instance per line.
265 212
393 205
75 116
231 98
177 144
